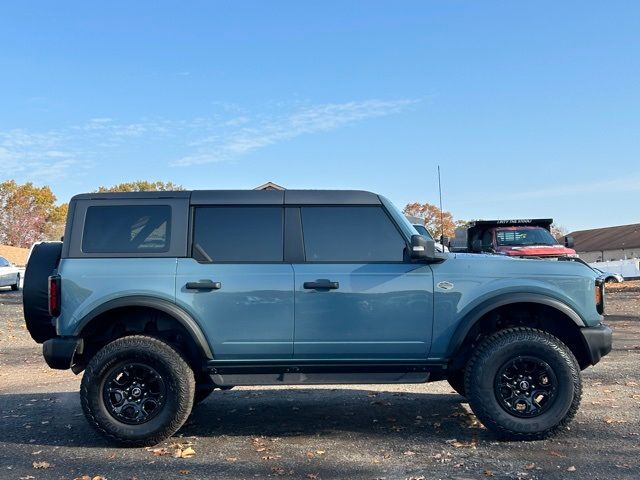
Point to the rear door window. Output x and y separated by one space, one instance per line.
127 229
350 234
238 234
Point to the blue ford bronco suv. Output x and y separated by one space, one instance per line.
162 297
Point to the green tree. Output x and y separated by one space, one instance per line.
29 214
142 186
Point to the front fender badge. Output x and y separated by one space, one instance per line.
445 285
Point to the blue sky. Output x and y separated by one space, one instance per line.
531 109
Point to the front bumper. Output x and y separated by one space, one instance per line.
59 352
598 341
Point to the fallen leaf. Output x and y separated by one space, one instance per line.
409 453
184 472
529 466
41 465
489 473
187 453
231 459
611 420
571 469
556 454
456 444
159 452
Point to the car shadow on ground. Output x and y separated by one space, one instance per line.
56 419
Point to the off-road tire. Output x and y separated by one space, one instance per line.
456 381
503 346
170 365
16 286
43 260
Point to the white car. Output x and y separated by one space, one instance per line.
9 274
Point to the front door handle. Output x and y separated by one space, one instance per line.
321 285
203 285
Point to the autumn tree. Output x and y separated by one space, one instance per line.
559 232
29 214
142 186
435 220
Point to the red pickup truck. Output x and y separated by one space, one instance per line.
516 238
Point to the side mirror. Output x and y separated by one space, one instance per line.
476 246
422 248
568 241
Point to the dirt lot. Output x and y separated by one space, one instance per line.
393 432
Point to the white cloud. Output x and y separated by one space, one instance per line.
226 133
263 131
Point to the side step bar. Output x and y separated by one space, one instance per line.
228 373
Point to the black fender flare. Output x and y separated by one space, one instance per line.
181 316
471 318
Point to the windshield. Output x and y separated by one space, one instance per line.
401 220
422 230
524 237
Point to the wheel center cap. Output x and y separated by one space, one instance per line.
524 385
136 392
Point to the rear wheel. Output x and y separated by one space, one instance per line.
137 390
523 384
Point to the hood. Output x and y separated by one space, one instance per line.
516 266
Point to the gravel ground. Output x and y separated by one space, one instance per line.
360 432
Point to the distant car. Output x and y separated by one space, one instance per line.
422 230
9 274
610 277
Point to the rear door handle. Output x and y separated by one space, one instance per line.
203 285
321 285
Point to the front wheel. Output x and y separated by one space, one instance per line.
523 384
137 391
16 286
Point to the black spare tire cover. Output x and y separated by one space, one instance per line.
42 262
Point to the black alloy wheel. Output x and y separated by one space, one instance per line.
134 393
525 386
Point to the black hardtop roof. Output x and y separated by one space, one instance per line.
247 197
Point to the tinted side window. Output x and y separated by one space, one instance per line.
350 234
3 262
238 234
127 229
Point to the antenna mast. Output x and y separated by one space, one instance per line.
441 212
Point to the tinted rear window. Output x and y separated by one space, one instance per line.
238 234
127 229
350 234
